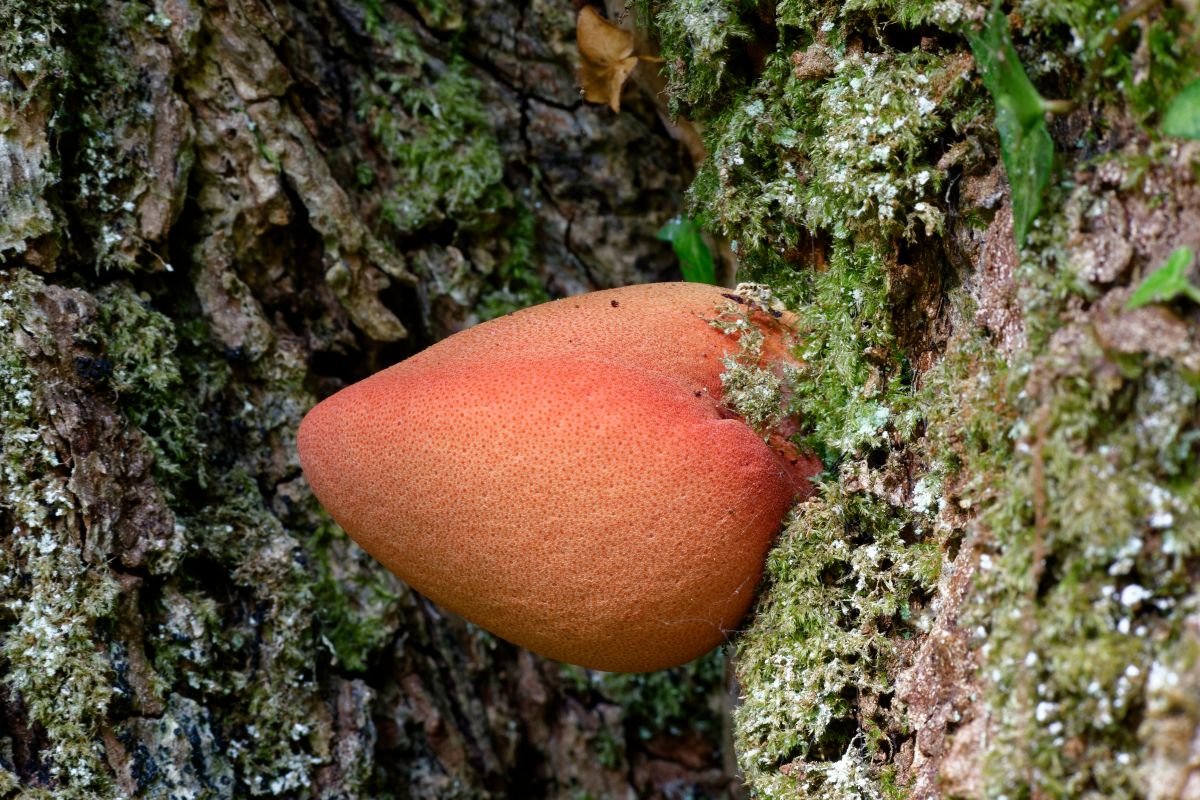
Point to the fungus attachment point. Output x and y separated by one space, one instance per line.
568 478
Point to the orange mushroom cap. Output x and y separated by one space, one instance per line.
566 476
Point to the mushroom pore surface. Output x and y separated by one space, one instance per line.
566 476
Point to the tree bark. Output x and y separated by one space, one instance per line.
215 212
212 214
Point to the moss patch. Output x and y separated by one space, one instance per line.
669 702
159 391
428 118
54 607
835 158
356 602
844 578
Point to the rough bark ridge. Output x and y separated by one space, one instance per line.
211 214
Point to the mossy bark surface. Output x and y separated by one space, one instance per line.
993 593
214 213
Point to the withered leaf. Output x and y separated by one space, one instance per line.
606 58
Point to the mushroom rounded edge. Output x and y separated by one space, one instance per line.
603 513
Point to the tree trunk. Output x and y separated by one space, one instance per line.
215 212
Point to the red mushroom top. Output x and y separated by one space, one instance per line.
567 477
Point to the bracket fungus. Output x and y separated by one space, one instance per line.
569 477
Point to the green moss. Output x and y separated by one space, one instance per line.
261 649
442 15
158 391
1102 483
1080 466
842 137
356 600
102 102
697 45
31 61
1068 647
965 403
70 60
851 388
240 623
445 171
515 283
429 121
53 664
1108 471
1083 456
1138 61
8 782
947 14
839 593
850 154
190 639
1072 42
54 607
25 44
671 702
754 393
1174 60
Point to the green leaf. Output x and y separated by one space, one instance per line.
1025 142
1167 282
695 260
1182 118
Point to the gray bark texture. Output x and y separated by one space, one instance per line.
211 215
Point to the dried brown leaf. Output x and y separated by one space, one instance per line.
606 58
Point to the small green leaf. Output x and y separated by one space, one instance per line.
1183 115
695 260
1025 142
1167 282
